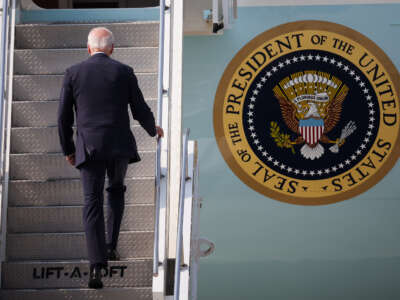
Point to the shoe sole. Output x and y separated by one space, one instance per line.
95 284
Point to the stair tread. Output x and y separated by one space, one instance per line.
56 127
84 49
74 206
107 293
47 87
140 189
127 34
56 101
62 75
71 233
56 246
75 261
74 179
60 153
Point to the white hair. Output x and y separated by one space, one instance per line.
102 42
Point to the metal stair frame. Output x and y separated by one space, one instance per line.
8 41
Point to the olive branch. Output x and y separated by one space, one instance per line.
282 140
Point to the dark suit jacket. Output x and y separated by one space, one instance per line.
100 90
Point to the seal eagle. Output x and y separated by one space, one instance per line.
311 115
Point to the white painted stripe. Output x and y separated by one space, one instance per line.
309 2
319 132
315 134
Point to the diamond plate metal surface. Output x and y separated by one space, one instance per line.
46 140
44 113
48 246
121 293
56 61
74 274
69 192
54 166
45 36
45 194
48 87
69 219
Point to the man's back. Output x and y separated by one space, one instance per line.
101 89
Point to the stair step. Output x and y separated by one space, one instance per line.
74 274
45 36
56 61
68 219
54 166
44 113
46 140
79 294
69 192
48 87
57 246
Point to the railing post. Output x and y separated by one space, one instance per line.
180 216
3 199
4 30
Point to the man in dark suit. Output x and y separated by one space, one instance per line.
100 90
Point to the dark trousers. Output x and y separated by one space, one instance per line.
93 179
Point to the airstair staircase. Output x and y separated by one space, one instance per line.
45 244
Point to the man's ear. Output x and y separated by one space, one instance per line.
89 50
112 49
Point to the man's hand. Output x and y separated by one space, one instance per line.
71 159
160 132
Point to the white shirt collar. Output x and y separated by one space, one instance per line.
97 52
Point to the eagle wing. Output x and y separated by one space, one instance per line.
289 113
334 110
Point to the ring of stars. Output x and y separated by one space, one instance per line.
328 60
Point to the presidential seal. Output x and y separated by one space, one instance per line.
308 113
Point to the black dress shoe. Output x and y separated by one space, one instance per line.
95 278
112 254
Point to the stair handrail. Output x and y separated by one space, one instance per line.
3 206
179 238
156 262
3 65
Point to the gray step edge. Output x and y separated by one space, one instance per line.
67 246
69 49
61 75
85 24
68 219
59 153
76 179
106 293
72 206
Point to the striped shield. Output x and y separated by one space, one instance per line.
311 130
